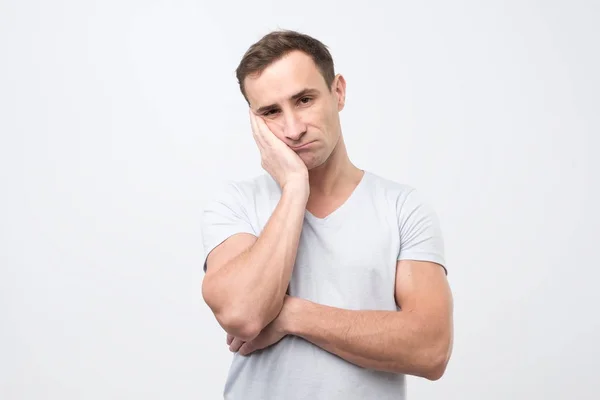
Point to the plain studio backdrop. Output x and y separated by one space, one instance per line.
118 120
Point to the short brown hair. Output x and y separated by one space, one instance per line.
277 44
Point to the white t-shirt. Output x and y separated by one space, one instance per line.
346 260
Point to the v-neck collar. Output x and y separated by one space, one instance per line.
338 212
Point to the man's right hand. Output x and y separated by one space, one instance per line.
247 275
281 162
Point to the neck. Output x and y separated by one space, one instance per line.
338 171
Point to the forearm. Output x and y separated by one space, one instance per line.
392 341
250 288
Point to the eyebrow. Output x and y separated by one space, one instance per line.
298 95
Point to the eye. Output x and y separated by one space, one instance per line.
305 100
270 112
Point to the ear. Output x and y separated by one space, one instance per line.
339 87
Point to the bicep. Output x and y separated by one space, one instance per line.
423 294
422 287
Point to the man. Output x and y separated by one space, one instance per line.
328 279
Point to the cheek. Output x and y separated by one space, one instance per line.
318 118
325 122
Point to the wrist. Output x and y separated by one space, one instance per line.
297 190
291 314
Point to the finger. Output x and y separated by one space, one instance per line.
256 130
246 349
264 132
229 339
236 344
277 124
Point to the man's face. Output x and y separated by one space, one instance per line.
292 97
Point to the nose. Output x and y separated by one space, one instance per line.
294 128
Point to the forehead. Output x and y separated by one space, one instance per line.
282 79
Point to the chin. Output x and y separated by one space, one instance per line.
309 164
313 163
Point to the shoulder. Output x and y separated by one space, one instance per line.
406 199
418 224
394 191
244 191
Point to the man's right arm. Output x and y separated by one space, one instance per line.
247 277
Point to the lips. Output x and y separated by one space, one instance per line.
301 147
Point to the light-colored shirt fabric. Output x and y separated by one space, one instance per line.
346 260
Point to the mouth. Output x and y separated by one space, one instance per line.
305 145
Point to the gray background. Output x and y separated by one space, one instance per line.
119 118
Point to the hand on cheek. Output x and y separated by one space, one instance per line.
275 127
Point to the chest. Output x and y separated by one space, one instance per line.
350 263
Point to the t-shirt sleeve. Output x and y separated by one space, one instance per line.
225 216
420 232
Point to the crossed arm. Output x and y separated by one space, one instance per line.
416 340
245 287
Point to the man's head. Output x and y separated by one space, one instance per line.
288 79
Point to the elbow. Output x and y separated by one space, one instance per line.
435 366
239 325
234 320
436 370
234 317
242 323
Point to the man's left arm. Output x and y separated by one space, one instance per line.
416 340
